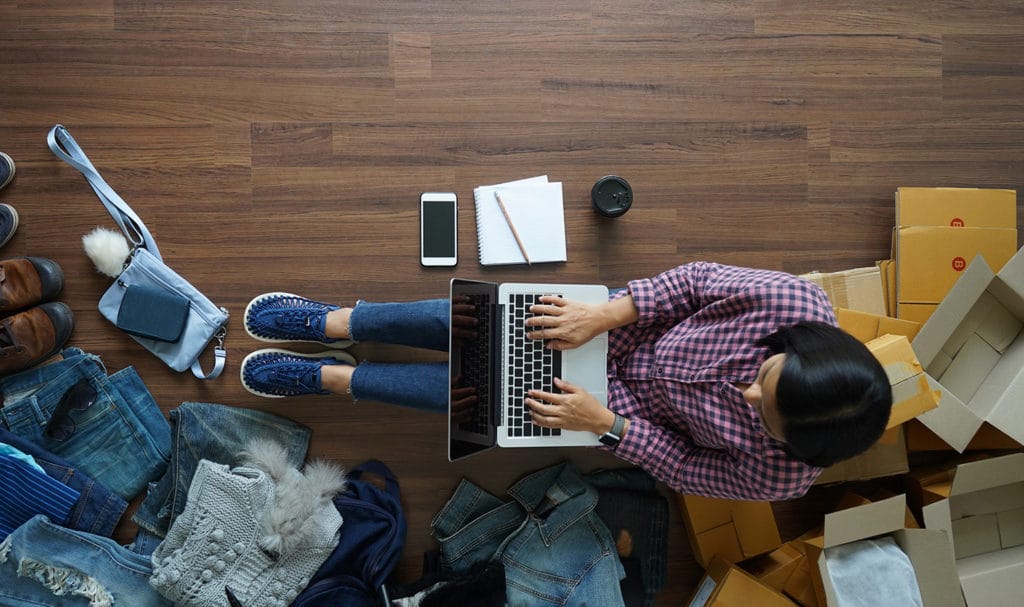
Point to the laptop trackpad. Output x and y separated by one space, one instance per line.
587 367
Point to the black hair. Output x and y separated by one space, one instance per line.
833 395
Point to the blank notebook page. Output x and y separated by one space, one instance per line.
536 210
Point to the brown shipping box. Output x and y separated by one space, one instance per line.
730 529
866 327
984 518
938 232
726 585
956 207
973 350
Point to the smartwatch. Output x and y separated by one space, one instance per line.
613 437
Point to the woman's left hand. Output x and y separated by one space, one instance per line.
573 409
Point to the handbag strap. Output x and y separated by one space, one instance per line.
64 146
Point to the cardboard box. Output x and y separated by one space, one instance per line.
973 347
730 529
865 326
939 230
785 570
956 207
930 260
929 550
857 289
887 457
984 517
726 585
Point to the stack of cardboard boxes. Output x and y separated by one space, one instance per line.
945 317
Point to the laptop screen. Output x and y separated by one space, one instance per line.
472 375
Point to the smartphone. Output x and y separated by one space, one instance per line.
438 229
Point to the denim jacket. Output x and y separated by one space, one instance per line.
555 549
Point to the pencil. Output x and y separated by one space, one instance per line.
508 219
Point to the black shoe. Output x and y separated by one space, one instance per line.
6 170
8 223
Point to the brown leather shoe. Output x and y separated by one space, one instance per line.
30 337
27 281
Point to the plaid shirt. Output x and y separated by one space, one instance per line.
673 374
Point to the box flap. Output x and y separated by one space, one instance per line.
987 473
929 551
951 421
998 400
955 306
865 521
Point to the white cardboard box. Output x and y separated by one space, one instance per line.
984 517
973 346
929 551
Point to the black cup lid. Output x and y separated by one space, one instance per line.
611 196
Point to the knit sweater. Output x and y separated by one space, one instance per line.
260 530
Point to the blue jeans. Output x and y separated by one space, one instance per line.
122 440
45 564
554 547
217 433
420 324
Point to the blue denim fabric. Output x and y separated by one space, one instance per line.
554 548
420 324
98 509
122 440
33 558
217 433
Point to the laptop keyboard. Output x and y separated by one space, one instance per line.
531 366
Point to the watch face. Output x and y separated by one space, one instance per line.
610 439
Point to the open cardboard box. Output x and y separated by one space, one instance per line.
984 517
732 530
726 585
929 550
973 347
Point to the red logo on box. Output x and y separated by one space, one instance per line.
959 263
956 222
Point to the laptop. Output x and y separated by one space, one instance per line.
500 364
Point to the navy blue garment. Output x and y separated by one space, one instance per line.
26 491
97 510
372 538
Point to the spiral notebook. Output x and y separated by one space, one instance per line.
535 207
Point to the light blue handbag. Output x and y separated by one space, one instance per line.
146 271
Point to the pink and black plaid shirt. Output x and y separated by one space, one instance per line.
673 374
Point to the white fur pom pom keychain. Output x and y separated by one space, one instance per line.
107 249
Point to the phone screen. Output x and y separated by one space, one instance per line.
438 228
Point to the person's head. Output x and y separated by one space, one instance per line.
822 393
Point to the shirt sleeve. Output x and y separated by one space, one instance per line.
690 469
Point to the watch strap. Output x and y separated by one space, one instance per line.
614 436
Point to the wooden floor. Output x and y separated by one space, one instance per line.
282 145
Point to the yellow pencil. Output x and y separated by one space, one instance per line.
508 219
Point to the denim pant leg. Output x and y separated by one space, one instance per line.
422 386
121 440
217 433
45 564
421 324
